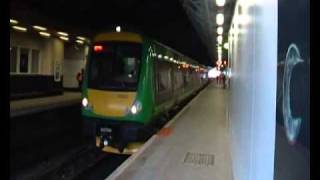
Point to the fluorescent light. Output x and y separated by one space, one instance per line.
40 28
166 57
226 45
19 28
220 19
64 38
159 56
45 34
171 59
220 30
219 39
79 41
220 3
81 38
118 29
62 33
12 21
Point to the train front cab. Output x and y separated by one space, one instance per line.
112 106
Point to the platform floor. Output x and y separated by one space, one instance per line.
194 146
34 105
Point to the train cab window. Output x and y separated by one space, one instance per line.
115 66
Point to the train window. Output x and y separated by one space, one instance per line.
116 67
163 74
24 60
178 78
13 59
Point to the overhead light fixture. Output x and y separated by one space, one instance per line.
44 34
12 21
166 57
220 30
81 38
118 29
79 41
220 3
219 39
159 56
220 19
19 28
226 45
40 28
64 38
63 33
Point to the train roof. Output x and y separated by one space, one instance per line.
136 37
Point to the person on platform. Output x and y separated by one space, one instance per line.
80 78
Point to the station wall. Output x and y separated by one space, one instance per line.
50 49
74 60
252 100
33 56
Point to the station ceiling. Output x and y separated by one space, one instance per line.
168 21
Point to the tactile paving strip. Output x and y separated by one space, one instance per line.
199 159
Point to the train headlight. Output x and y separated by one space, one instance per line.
85 102
136 107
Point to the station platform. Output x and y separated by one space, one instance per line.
35 105
195 144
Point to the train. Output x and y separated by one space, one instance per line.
131 83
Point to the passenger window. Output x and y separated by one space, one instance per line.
163 79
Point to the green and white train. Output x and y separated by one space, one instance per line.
131 82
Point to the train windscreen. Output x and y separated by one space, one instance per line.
114 66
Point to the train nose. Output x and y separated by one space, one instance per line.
106 136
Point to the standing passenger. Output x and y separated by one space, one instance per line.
80 78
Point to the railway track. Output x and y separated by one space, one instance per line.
68 166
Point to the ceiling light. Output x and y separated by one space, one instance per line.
12 21
40 28
64 38
220 30
63 33
220 3
44 34
219 39
166 57
81 38
79 41
19 28
220 19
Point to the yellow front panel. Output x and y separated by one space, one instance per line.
111 103
121 36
